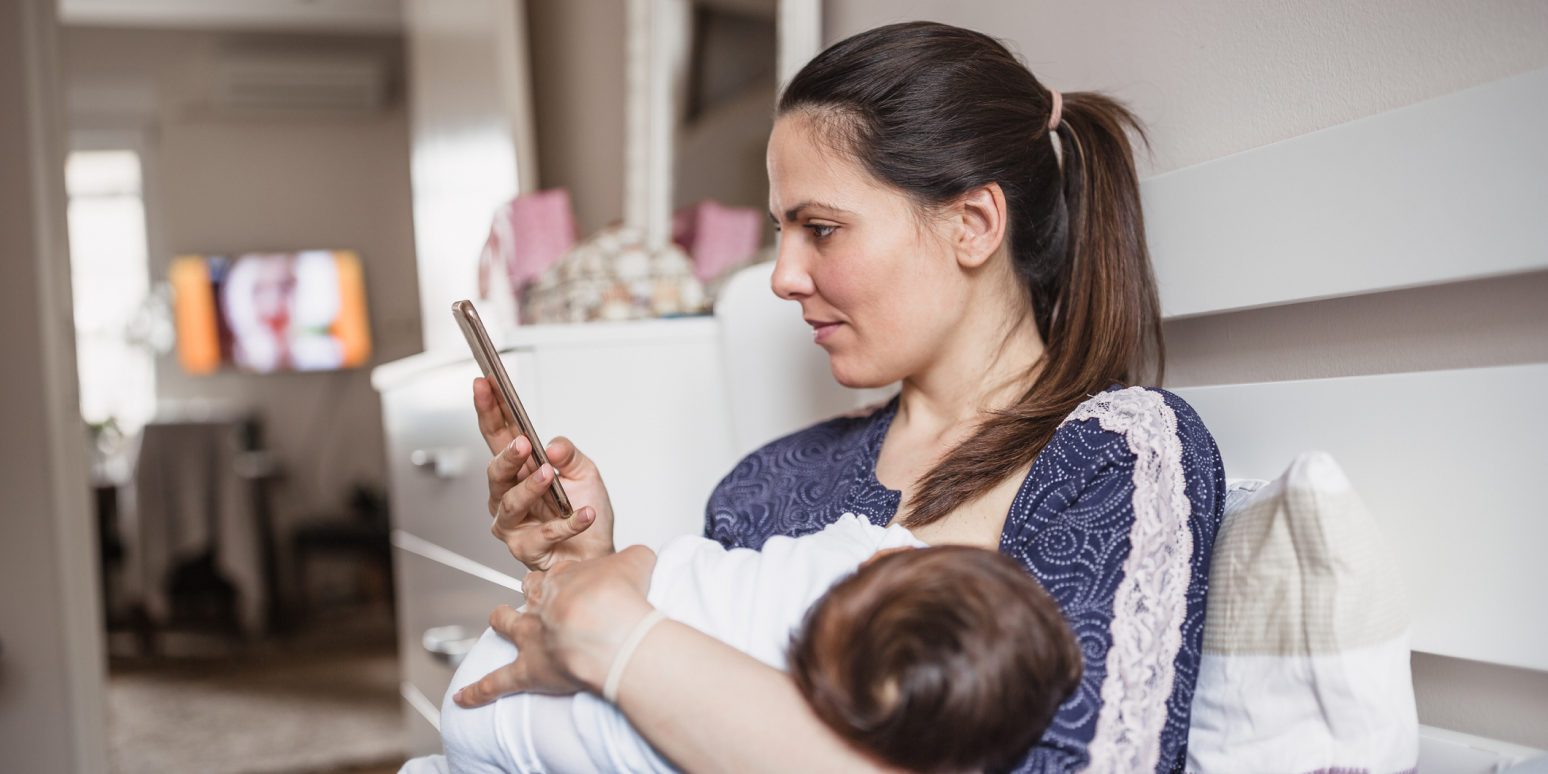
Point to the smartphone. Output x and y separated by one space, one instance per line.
510 404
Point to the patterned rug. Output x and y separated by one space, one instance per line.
268 714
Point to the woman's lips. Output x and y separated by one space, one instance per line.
822 330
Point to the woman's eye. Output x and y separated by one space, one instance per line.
821 231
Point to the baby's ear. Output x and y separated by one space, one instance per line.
884 552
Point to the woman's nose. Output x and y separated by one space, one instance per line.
791 279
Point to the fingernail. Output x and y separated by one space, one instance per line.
511 447
544 473
457 697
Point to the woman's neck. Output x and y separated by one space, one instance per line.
939 409
985 367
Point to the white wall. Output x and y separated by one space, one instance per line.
1215 77
471 131
52 709
223 184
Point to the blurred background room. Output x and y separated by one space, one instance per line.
219 154
265 199
233 230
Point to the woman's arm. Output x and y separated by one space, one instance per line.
1118 523
711 708
703 704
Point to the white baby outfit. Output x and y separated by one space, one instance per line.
750 600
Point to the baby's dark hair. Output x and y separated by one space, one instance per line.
945 659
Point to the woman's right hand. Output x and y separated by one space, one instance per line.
577 617
526 519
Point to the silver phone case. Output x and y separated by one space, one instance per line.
510 403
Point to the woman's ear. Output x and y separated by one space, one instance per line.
980 217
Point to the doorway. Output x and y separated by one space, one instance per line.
246 583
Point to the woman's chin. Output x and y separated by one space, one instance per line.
856 376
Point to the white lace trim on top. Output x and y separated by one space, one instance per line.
1152 599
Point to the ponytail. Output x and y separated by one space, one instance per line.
939 111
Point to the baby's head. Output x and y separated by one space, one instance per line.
946 659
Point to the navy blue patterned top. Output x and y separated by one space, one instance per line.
1116 519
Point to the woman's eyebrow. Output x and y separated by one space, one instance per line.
795 212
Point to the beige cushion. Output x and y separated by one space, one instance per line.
1305 663
1301 568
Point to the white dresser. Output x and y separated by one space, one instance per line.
664 407
645 400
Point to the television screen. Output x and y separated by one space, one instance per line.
266 312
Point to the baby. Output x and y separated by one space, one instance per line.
948 659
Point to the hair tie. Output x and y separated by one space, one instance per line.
621 658
1058 108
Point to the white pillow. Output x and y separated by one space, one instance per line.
1305 665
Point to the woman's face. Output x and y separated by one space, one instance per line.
877 278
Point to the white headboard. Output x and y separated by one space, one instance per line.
1449 463
1450 189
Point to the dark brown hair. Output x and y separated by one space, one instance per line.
942 659
938 112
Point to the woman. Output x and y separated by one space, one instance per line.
950 223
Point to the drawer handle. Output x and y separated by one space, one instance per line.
449 644
444 463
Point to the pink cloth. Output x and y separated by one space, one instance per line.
530 233
716 236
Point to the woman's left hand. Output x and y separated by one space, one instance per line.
578 615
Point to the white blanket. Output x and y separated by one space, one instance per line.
751 600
